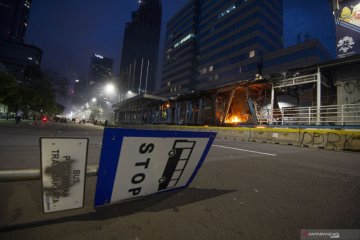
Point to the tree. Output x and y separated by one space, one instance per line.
39 93
9 92
36 93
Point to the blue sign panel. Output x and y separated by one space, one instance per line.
137 163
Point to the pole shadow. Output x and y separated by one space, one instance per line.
154 203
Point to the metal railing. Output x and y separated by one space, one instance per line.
34 174
347 114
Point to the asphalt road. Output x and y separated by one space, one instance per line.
244 190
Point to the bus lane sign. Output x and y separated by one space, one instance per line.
63 171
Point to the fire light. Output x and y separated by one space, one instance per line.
236 118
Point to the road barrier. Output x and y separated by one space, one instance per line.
345 140
332 139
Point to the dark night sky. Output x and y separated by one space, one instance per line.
70 31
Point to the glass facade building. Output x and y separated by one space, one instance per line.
14 15
233 37
140 48
223 40
101 72
180 56
15 55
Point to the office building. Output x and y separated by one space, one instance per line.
234 36
180 56
225 41
101 72
229 42
14 16
140 48
15 55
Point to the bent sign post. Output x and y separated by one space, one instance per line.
137 163
63 170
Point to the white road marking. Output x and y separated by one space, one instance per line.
244 150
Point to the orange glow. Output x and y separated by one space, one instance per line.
236 118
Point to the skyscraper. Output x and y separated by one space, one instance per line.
223 40
210 44
101 71
14 15
234 36
140 48
15 55
181 50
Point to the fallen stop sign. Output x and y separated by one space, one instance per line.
136 163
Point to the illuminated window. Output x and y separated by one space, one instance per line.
227 11
252 54
169 83
187 37
211 68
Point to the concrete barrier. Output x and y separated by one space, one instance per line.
331 139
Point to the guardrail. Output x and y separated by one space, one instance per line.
347 114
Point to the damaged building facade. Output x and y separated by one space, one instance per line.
224 63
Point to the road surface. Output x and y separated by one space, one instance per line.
244 190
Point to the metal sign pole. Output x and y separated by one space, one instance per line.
34 174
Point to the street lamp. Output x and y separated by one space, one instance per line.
109 89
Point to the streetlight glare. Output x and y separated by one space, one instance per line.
110 88
94 99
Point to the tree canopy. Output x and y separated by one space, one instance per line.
36 93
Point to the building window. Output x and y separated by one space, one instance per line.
216 76
227 11
187 37
203 71
168 84
211 68
252 54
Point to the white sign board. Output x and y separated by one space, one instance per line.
63 171
136 163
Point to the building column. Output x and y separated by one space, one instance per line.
215 104
228 105
272 104
177 112
188 111
200 112
318 97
